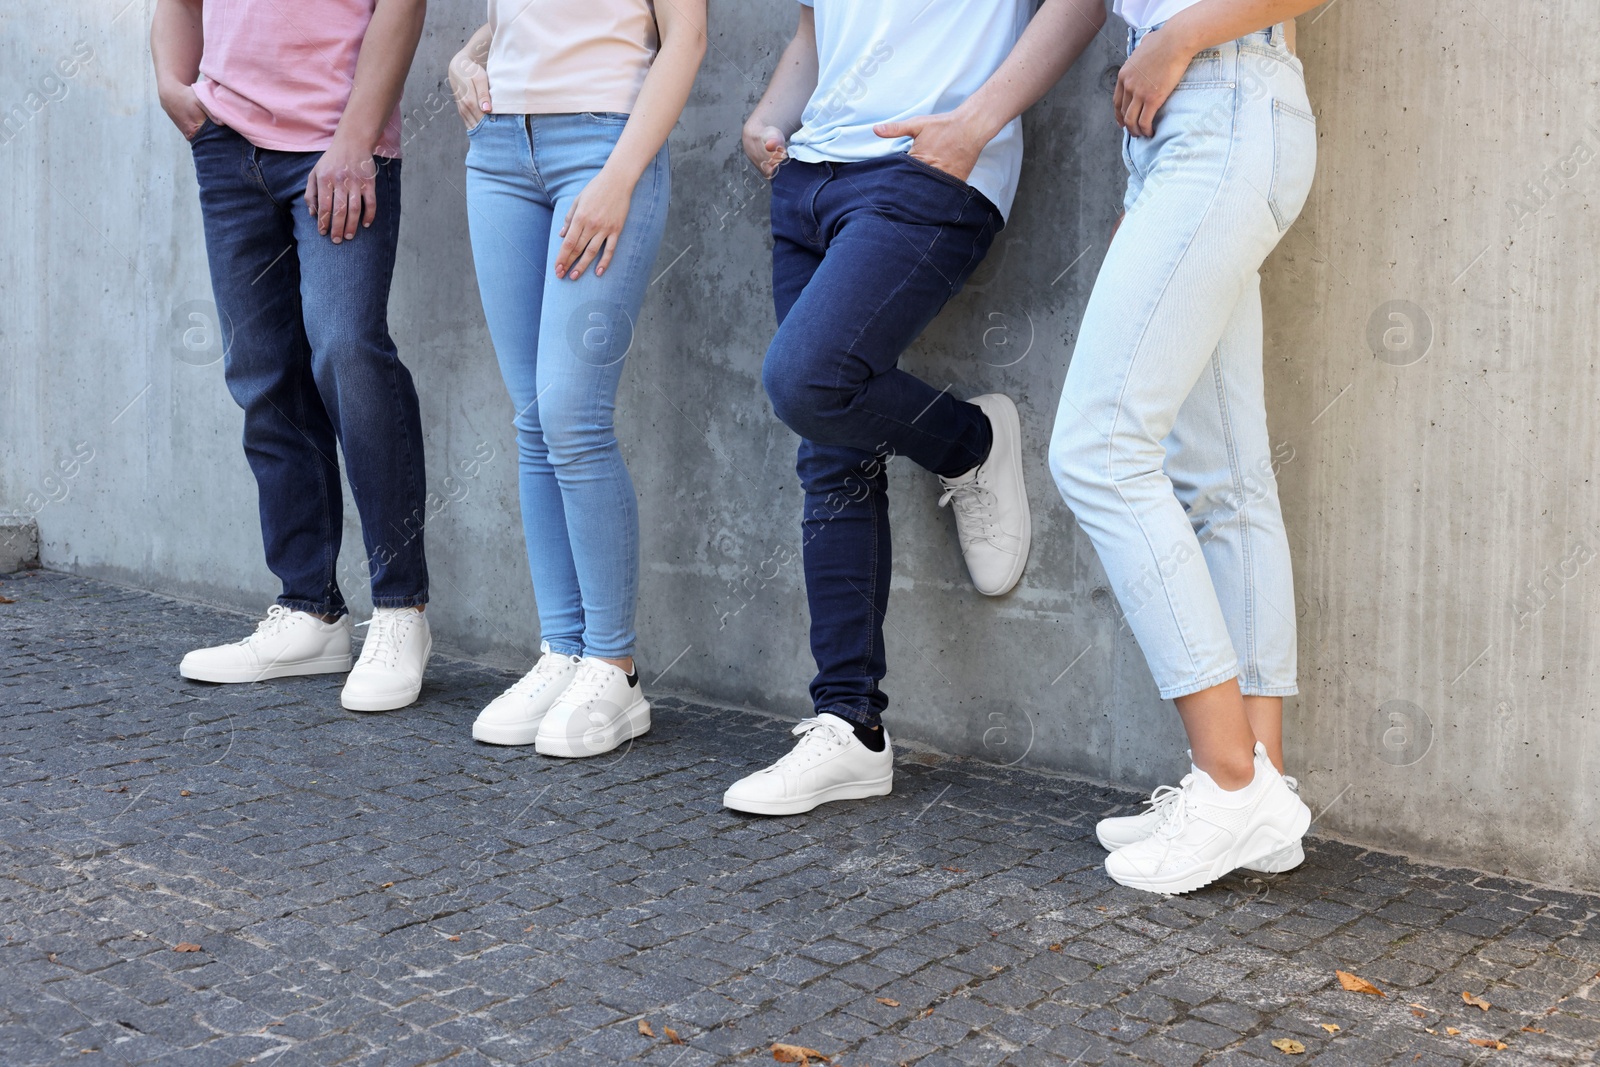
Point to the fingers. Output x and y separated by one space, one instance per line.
610 250
894 129
369 200
592 248
311 194
568 252
480 89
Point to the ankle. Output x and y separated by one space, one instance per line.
625 665
1231 775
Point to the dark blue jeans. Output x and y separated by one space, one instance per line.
307 355
864 256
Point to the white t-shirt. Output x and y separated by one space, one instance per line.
887 60
1141 14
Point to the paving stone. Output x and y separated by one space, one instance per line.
375 890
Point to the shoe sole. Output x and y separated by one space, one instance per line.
635 722
1279 862
506 735
389 703
1007 413
297 669
1265 841
844 791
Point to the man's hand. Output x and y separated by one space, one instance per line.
341 190
469 83
594 225
183 108
766 148
950 142
1147 79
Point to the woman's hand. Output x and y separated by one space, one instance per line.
765 147
469 84
950 142
1147 79
594 224
183 108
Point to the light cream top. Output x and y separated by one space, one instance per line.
550 57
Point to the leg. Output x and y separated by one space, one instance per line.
289 440
365 389
1181 262
1221 463
847 310
588 331
510 221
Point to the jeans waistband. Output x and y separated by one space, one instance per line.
1272 37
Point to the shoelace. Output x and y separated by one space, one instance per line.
588 683
975 505
385 632
1168 802
277 617
547 669
817 739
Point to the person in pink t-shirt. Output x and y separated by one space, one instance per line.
291 110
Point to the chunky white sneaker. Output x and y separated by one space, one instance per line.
828 763
389 673
1123 830
513 717
601 708
1211 831
286 644
991 504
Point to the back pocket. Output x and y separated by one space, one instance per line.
1294 161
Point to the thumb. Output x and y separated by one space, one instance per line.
897 129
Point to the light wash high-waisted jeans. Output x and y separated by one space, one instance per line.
1160 443
561 345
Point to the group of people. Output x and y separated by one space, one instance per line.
890 131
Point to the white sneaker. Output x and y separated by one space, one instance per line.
1211 831
1124 830
286 644
389 673
991 504
513 717
828 763
601 708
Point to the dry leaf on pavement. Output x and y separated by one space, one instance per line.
796 1054
1487 1042
889 1002
186 946
1358 985
1532 1030
1476 1002
1288 1046
1452 1031
644 1028
1332 1028
672 1035
1419 1013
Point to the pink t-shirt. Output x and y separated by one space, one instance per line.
279 72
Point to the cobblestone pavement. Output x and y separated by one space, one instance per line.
380 890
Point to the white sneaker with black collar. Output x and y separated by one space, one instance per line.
828 763
599 710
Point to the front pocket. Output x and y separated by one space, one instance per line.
606 118
942 175
1294 161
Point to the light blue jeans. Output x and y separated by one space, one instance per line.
1160 443
561 346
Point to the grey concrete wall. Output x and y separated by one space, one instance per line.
1440 492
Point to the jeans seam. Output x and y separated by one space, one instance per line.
1249 662
1128 376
